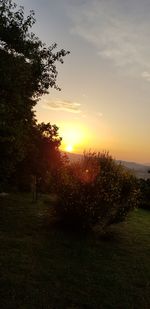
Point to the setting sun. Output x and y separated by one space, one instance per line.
69 148
74 137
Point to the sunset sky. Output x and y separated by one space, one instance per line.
105 99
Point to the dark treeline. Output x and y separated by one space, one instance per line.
27 71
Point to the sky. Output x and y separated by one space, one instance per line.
104 104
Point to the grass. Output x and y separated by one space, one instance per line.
42 266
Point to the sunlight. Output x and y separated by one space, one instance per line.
69 148
74 137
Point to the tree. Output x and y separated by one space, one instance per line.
42 159
27 70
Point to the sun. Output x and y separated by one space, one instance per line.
69 148
74 137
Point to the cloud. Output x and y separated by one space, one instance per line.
84 116
119 30
146 76
62 105
100 114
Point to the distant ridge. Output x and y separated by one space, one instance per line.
74 156
140 170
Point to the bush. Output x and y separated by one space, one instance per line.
145 193
95 190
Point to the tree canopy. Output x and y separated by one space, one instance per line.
27 71
16 40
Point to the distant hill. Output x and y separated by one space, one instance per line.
140 170
74 156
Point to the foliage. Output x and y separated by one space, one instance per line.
18 43
145 193
96 190
42 158
27 70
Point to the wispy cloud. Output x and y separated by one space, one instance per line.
146 76
62 105
119 30
84 116
99 114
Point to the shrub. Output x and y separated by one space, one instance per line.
145 193
95 190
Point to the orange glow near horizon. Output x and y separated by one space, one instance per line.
69 148
74 137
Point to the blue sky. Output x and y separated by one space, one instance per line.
105 80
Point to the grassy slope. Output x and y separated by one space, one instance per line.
44 267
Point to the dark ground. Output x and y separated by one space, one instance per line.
43 266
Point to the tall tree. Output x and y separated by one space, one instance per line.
43 158
27 71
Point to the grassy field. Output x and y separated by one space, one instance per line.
42 266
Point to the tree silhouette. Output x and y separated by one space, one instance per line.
27 70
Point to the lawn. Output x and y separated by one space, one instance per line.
43 266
